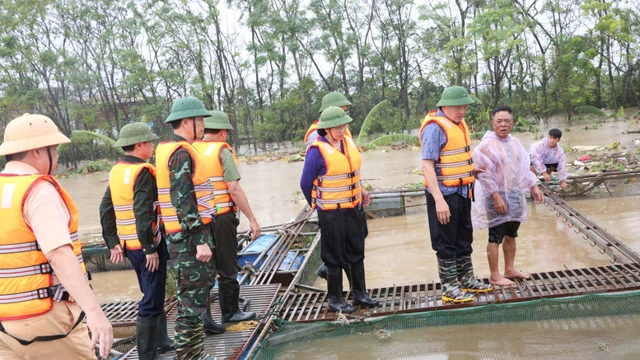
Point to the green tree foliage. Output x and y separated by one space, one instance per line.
95 65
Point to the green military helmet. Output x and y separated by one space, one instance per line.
219 120
134 133
455 96
334 99
333 116
187 107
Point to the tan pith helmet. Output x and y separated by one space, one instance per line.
29 132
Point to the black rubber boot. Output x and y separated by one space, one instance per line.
146 334
322 271
231 313
334 290
163 341
210 326
359 288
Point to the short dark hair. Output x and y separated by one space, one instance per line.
322 132
17 156
212 131
555 133
497 109
129 148
176 124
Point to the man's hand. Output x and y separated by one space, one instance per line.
477 171
538 196
101 332
563 185
117 255
546 177
498 203
203 252
153 262
255 229
366 199
442 211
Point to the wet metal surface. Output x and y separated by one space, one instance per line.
310 307
592 232
231 344
126 313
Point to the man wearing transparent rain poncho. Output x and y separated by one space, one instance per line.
500 203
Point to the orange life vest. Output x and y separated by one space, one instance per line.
312 128
26 280
340 187
211 152
203 190
122 180
455 163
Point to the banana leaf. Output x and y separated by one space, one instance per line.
394 139
374 115
589 110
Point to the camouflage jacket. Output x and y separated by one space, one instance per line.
184 201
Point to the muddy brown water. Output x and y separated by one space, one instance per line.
398 250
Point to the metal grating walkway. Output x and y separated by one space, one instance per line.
308 307
122 314
231 344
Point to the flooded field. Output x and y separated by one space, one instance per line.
398 249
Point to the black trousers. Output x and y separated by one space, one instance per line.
342 236
453 239
225 262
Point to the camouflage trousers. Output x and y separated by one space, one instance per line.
192 276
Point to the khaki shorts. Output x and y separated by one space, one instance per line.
56 322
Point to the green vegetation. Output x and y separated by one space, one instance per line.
96 65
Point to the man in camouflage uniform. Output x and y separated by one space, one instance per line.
186 200
220 163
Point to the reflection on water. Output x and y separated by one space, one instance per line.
584 338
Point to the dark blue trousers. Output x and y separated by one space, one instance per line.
152 284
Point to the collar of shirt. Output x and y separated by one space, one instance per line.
19 168
132 159
176 137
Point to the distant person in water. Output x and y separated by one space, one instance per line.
500 202
547 157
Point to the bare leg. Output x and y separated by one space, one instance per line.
509 248
496 278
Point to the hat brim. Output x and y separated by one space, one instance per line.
18 146
128 142
187 114
335 123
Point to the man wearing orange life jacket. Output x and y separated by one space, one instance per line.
331 184
131 227
42 306
220 163
448 175
187 204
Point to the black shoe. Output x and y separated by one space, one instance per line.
231 313
210 326
334 290
146 333
322 271
358 287
163 341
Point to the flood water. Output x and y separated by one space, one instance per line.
398 249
